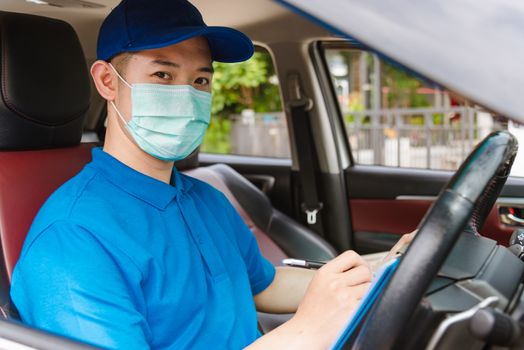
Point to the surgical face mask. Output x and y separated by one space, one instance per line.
167 121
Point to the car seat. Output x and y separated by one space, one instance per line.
278 235
44 90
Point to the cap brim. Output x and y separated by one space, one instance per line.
226 44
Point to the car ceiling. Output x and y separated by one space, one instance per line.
216 12
245 15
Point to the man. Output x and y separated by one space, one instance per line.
131 254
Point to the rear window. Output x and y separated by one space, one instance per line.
247 114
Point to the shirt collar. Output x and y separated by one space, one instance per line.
146 188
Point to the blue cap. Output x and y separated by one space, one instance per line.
136 25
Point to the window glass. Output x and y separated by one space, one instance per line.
394 118
247 114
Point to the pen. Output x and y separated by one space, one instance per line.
306 264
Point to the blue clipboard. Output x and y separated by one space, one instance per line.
380 279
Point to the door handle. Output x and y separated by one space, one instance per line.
515 219
511 215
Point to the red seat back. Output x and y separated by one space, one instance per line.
27 179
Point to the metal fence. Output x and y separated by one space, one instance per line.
260 134
430 138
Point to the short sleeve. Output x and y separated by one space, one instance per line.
67 282
261 271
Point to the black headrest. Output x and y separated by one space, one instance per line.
44 83
188 163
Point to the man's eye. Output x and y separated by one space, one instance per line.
163 75
202 81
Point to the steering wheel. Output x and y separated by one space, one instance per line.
462 205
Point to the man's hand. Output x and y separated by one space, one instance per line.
333 294
331 297
290 284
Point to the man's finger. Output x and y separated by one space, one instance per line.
344 262
359 291
358 275
403 241
407 238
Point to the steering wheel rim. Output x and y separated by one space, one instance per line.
466 199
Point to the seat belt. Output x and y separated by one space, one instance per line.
298 108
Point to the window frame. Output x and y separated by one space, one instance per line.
328 90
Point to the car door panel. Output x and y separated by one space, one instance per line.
387 202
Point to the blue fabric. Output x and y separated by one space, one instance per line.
136 25
123 261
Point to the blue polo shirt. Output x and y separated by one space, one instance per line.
123 261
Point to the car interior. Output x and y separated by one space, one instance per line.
51 117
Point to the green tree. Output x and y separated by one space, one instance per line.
239 86
403 91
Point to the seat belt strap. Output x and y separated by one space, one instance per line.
310 205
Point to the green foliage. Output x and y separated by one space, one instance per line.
416 119
438 119
402 88
245 85
236 87
217 137
356 105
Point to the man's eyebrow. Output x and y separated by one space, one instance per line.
166 63
208 69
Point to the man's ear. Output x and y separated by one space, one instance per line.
105 80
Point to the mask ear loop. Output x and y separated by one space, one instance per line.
118 113
119 76
113 103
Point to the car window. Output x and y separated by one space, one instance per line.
247 114
395 118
